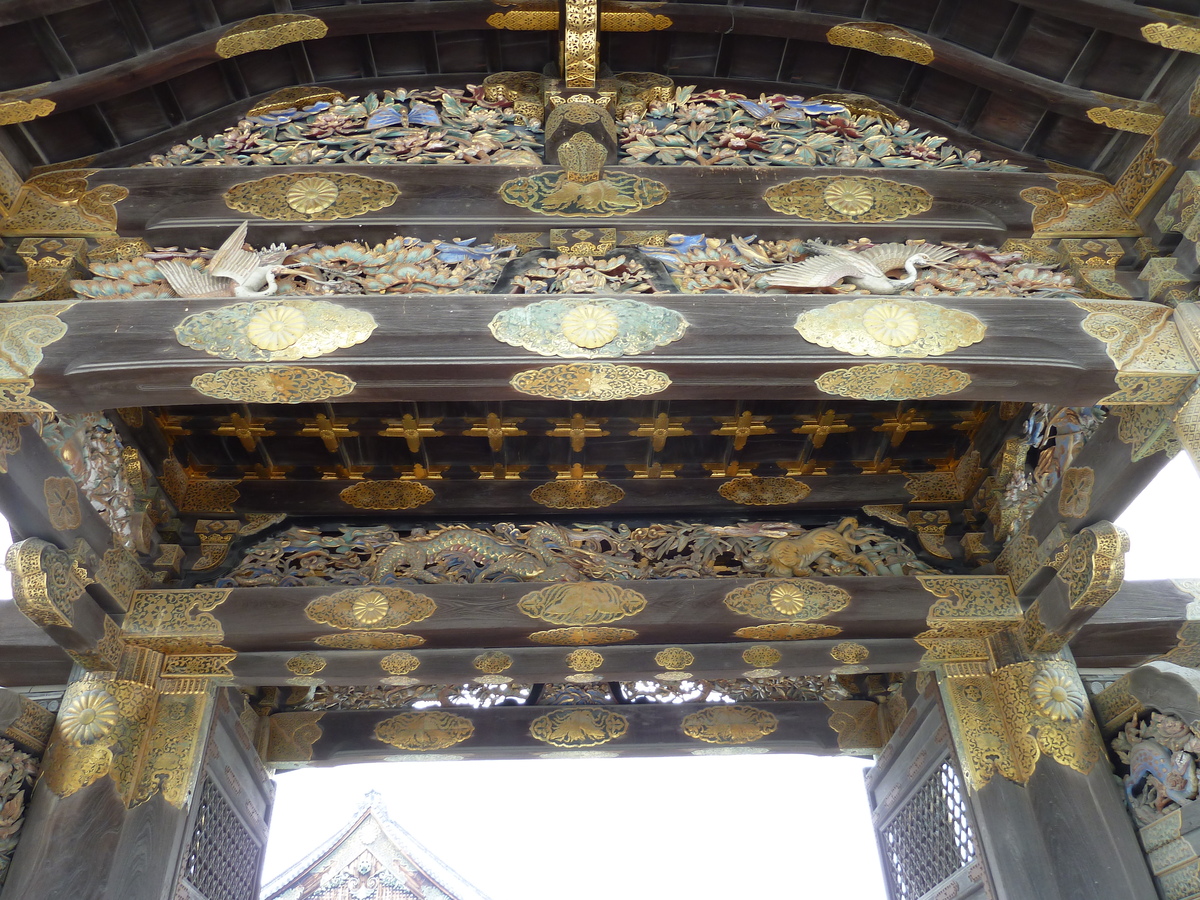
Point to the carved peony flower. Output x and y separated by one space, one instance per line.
590 326
275 328
1057 696
311 195
891 324
850 198
88 716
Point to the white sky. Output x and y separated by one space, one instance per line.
1163 534
694 828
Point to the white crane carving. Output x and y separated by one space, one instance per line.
233 271
866 268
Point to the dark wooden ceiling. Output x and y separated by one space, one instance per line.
1017 77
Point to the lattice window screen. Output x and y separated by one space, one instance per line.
930 838
223 857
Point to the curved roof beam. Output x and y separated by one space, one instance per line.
194 52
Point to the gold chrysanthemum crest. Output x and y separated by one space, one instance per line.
88 716
848 198
367 608
308 197
275 330
1057 696
898 328
793 601
599 327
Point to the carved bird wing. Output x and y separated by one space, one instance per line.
864 264
893 256
232 261
187 281
816 271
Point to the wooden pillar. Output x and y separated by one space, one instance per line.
1047 810
108 817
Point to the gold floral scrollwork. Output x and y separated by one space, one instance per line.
791 601
174 744
45 582
900 328
525 20
269 32
578 727
60 204
11 424
586 603
175 621
291 737
850 653
971 608
729 725
848 198
1095 565
397 494
752 490
424 730
272 330
893 381
882 39
1173 37
311 197
273 384
369 640
1078 206
581 43
1143 177
583 635
62 503
367 608
590 381
1075 493
577 493
856 723
787 631
612 194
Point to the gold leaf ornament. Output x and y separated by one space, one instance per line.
729 725
893 381
852 198
586 603
590 326
904 328
1057 696
311 195
578 727
429 729
275 328
88 716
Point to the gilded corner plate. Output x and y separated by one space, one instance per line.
893 381
588 328
614 194
893 327
273 384
270 330
590 381
848 198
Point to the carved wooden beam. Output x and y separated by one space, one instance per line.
303 738
439 348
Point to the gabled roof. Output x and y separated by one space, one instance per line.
371 848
